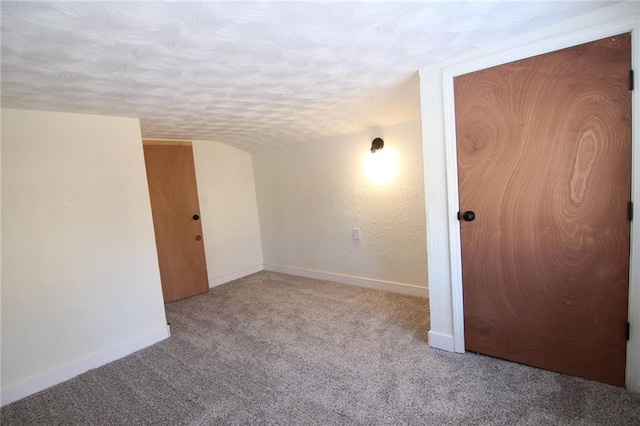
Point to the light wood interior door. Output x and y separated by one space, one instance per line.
544 160
176 220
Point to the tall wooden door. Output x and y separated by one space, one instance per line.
544 160
176 220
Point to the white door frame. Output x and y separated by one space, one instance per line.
556 43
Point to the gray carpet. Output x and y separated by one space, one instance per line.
277 349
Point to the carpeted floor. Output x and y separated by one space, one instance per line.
278 349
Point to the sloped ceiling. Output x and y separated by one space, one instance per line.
254 75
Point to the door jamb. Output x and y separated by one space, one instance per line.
166 142
451 165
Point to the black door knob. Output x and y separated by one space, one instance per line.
467 216
198 237
196 217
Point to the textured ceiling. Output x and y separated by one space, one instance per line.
254 75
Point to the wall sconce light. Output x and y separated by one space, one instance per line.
376 145
380 166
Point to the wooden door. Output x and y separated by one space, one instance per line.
544 160
176 220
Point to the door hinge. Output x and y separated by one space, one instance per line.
628 330
630 210
631 80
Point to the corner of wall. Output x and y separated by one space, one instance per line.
223 279
311 198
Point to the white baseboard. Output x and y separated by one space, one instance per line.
408 289
441 341
235 275
633 356
44 380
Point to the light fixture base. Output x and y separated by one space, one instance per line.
377 144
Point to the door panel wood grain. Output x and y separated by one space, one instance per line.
174 202
544 160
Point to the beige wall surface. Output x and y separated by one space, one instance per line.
229 211
80 278
312 196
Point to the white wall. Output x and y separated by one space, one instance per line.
441 201
311 196
80 278
0 256
230 226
